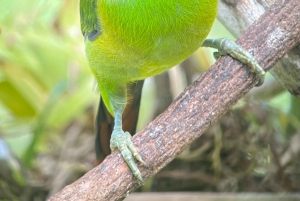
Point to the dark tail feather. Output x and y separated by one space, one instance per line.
105 121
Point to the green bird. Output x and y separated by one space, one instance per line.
129 40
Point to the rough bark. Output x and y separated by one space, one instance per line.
237 16
201 104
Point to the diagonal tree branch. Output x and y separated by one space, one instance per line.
204 102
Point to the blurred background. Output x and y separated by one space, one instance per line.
48 101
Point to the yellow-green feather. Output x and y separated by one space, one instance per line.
142 38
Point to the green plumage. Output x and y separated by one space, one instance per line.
140 39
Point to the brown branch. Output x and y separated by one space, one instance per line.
237 16
201 104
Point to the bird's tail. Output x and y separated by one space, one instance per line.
105 121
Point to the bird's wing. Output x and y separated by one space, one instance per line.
90 24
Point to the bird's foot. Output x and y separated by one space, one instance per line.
122 140
226 46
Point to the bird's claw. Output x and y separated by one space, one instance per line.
122 140
226 46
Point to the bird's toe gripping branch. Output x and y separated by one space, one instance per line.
226 46
122 140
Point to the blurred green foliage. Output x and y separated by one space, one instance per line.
44 78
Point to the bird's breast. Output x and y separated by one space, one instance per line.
151 36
